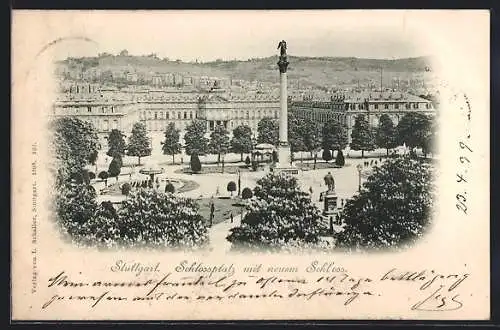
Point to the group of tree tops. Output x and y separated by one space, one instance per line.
146 218
392 210
414 129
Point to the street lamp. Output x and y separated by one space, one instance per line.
359 168
239 182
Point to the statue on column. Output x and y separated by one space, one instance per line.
282 48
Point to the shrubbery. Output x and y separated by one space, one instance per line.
169 188
280 216
393 208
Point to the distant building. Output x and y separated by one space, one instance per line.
110 107
345 107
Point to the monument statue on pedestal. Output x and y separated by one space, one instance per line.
330 182
282 48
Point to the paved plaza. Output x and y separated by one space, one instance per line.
207 185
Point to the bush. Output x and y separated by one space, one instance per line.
280 215
75 205
231 187
151 218
91 175
115 167
246 193
126 188
103 175
248 161
169 188
255 165
340 160
327 155
392 210
195 163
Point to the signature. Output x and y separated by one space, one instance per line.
438 301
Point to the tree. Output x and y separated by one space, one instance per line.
74 144
169 188
246 193
386 134
413 130
171 145
126 188
75 206
279 216
430 145
114 168
267 131
152 218
340 160
241 142
195 163
195 139
361 136
91 175
116 144
248 161
219 141
255 165
334 135
393 209
138 145
296 133
104 177
327 155
311 136
231 187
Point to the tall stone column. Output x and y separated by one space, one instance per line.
284 153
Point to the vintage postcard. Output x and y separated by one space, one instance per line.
250 165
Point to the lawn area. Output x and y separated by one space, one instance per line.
231 169
223 209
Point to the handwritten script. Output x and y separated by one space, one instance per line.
431 290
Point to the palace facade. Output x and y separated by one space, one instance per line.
110 108
345 107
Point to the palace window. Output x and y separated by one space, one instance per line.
185 115
191 115
376 106
178 115
156 115
428 106
415 105
89 109
167 114
161 114
396 106
386 106
407 105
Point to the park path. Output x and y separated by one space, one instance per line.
219 232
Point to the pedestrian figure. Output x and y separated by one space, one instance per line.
311 190
182 160
371 162
232 217
375 163
217 191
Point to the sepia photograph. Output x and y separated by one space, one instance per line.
185 137
282 153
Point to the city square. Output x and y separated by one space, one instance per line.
213 152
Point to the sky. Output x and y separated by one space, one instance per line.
227 35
